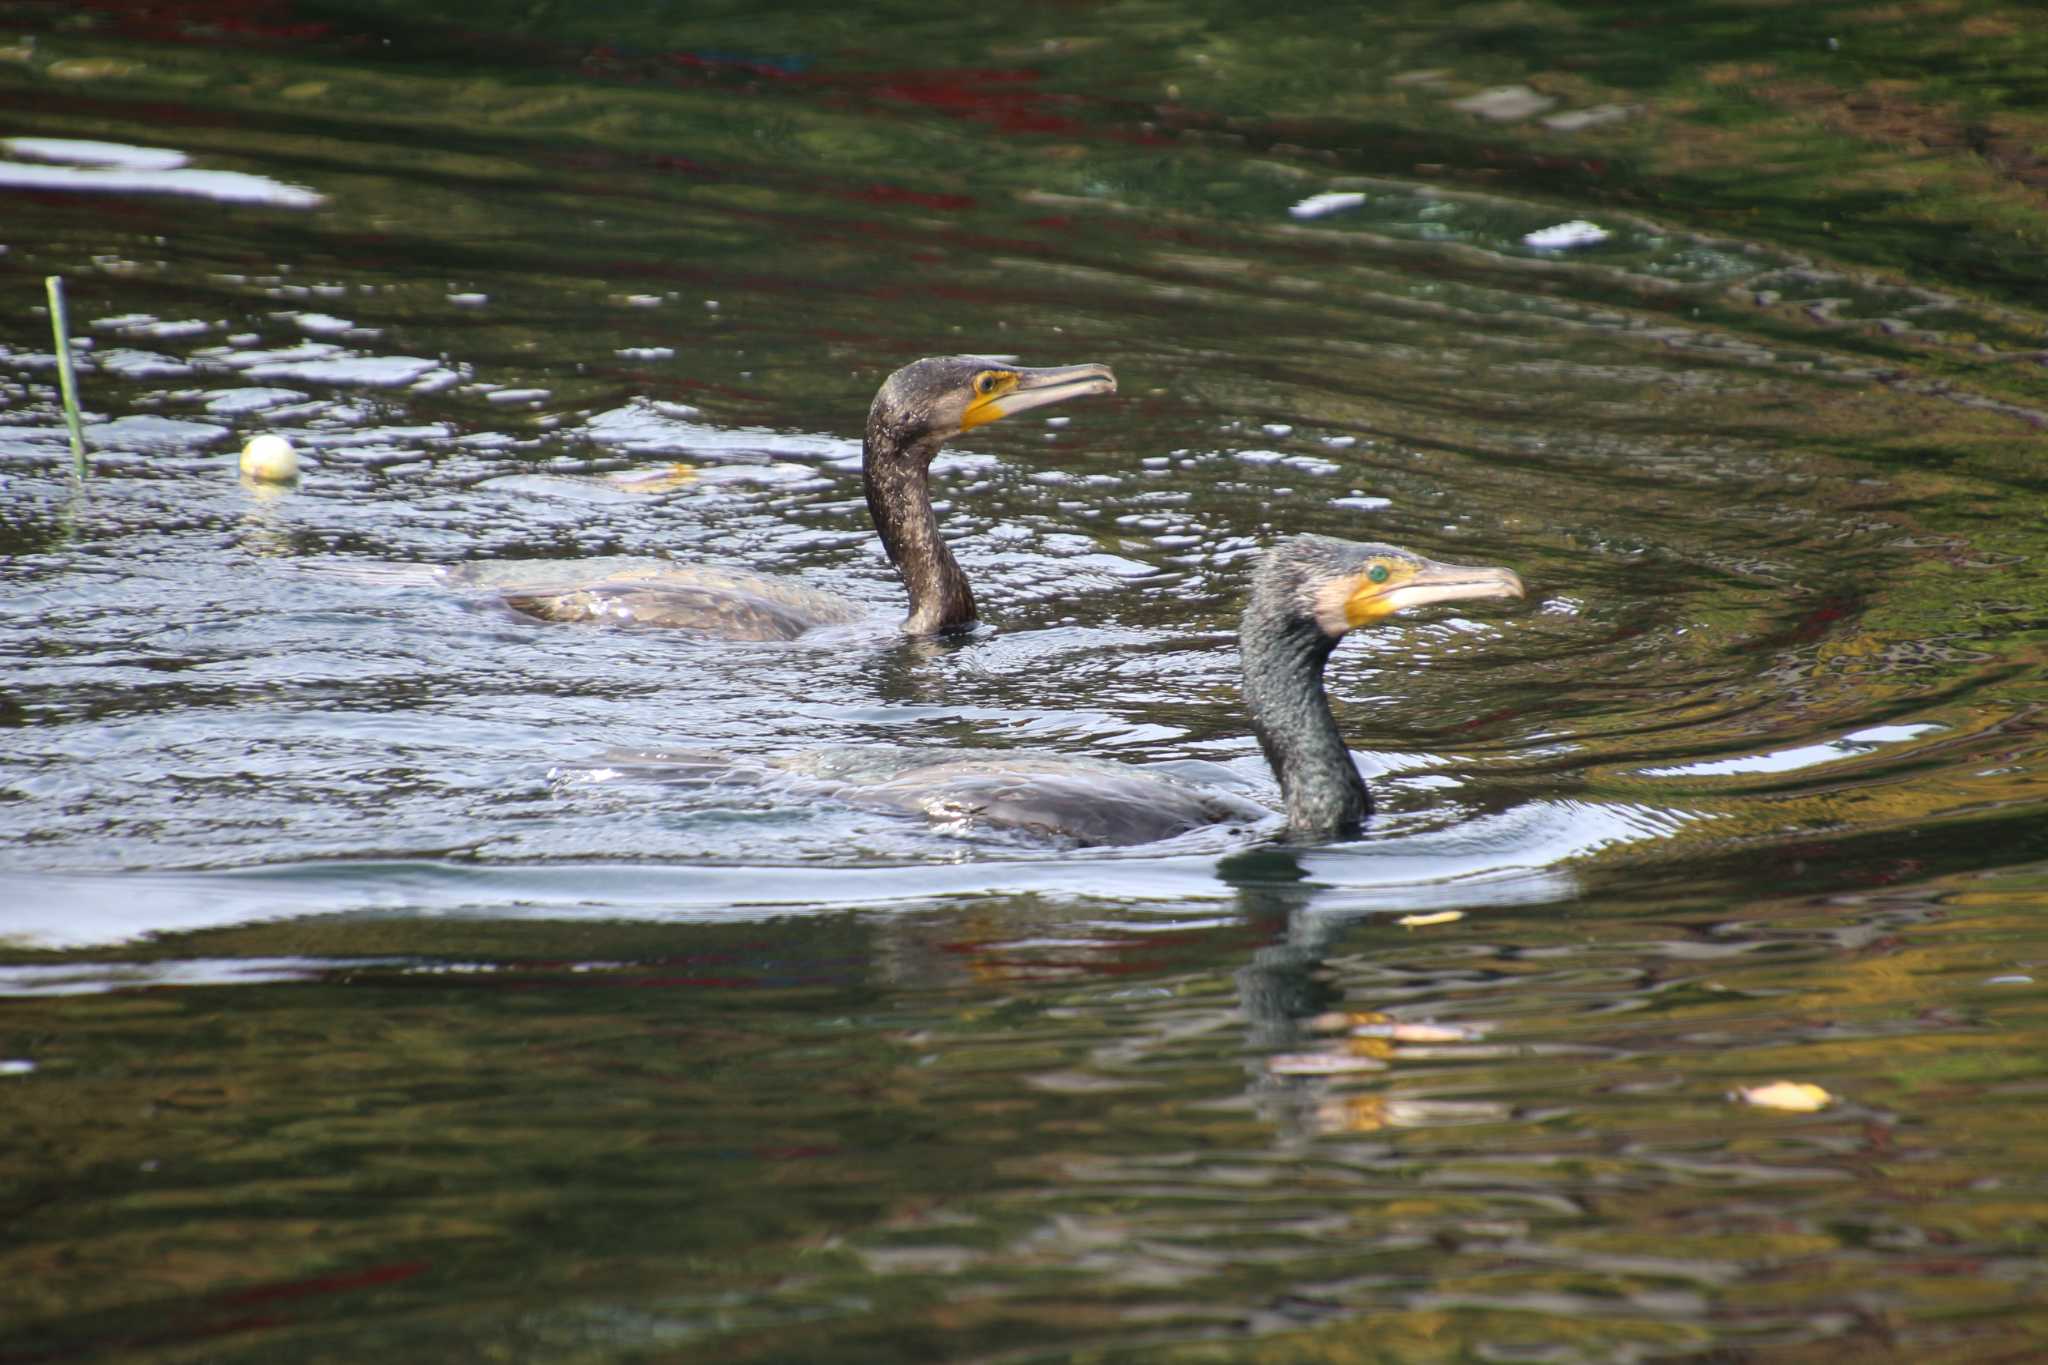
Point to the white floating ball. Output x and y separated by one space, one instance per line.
270 459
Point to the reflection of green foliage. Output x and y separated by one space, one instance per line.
1747 120
766 1141
1917 124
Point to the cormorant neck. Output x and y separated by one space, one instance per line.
897 474
1283 656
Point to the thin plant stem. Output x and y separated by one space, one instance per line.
66 381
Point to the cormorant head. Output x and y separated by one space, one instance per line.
1341 584
931 400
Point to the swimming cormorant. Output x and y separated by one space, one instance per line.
917 409
1306 594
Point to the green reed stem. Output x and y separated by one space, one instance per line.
66 381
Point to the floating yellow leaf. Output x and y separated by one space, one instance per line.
1424 921
1797 1097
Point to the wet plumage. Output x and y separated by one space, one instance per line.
917 410
1307 594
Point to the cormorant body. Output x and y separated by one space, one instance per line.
1307 593
917 409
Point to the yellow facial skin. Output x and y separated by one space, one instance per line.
1387 584
990 388
1002 392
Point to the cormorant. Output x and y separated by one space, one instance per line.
917 409
1308 592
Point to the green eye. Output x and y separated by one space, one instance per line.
1377 573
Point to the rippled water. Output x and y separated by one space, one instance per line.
362 992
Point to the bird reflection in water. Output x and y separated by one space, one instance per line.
1307 1049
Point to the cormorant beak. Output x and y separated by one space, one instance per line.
1016 390
1418 582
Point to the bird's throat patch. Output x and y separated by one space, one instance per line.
1344 604
991 388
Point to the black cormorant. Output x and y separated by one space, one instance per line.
1307 593
917 409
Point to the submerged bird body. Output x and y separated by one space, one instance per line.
917 409
731 604
1307 593
1070 799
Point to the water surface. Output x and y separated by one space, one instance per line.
359 994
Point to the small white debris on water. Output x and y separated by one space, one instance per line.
1322 205
1564 236
1793 1097
1504 103
16 1066
1577 120
269 458
469 300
